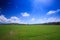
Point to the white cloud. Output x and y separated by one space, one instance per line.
13 19
52 19
53 12
33 19
41 20
25 14
3 18
46 20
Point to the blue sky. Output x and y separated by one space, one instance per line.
29 11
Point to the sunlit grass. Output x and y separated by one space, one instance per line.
29 32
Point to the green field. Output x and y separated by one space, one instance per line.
29 32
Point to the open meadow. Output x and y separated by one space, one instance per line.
29 32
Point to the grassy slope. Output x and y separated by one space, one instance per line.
29 32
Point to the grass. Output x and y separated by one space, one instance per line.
29 32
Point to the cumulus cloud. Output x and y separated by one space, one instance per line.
53 12
13 19
3 18
25 14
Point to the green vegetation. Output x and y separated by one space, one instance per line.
29 32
